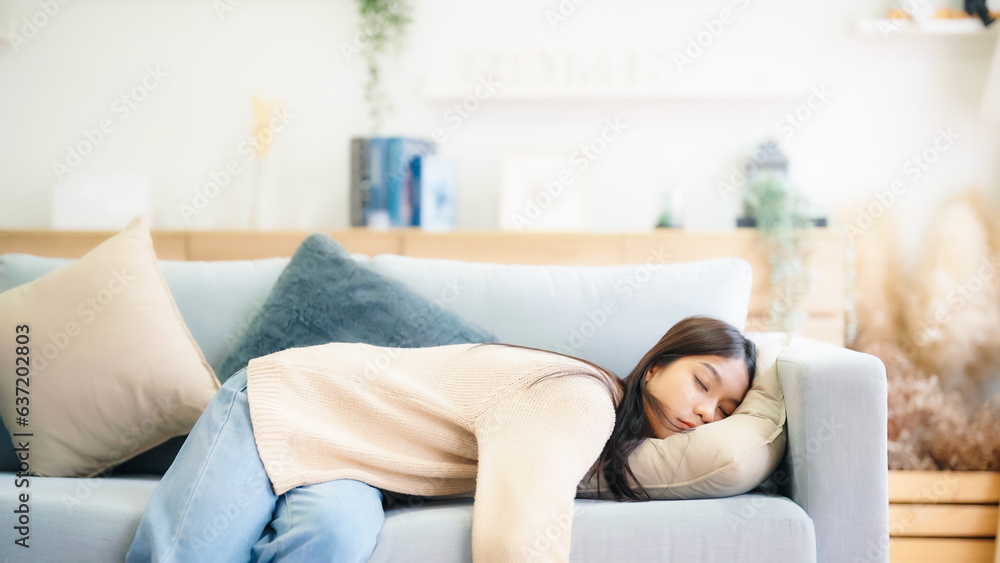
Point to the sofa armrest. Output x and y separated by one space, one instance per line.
836 463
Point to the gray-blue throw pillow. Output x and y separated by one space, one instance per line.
323 295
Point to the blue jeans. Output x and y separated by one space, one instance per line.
215 502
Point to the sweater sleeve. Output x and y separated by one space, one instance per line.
534 448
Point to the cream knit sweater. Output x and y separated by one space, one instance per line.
445 420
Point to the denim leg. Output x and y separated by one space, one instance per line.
215 500
331 522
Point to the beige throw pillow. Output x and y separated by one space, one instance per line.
724 458
96 363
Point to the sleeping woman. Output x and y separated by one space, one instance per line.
293 458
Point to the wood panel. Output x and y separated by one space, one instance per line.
952 507
248 245
944 487
591 249
943 520
938 550
169 245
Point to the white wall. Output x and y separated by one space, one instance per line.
889 98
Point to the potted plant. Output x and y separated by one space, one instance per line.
383 24
780 214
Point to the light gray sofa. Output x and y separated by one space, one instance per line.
827 501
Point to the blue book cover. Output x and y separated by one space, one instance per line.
394 178
376 210
400 152
415 176
390 199
436 185
414 149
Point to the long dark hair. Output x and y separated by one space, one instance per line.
693 336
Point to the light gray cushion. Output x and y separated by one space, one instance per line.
77 519
609 315
95 521
749 528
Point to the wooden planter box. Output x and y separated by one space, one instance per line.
943 516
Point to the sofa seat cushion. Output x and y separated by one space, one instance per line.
95 520
748 528
78 519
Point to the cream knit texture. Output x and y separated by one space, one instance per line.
438 421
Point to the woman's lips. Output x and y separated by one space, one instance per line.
684 424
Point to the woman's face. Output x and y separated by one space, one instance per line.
695 390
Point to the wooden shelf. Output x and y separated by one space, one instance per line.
943 516
935 26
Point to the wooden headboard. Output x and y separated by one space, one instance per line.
826 260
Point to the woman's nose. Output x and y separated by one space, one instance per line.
705 410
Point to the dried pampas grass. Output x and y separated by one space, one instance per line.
951 304
937 330
930 429
876 283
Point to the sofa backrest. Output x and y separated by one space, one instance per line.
610 315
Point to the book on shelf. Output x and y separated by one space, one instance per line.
381 189
434 180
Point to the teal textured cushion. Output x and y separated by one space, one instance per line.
324 295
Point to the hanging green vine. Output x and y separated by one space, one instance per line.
782 220
383 24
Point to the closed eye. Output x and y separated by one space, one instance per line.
696 378
700 383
